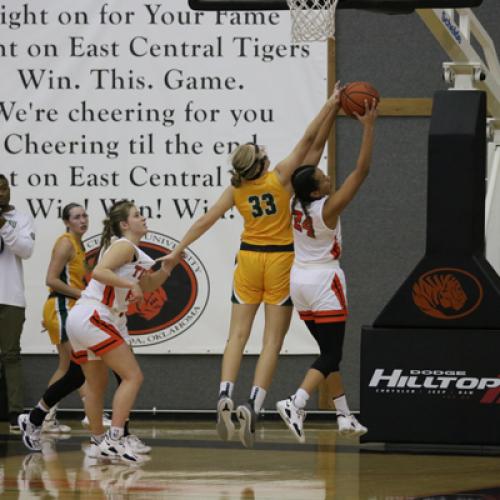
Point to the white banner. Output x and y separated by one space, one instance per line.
102 101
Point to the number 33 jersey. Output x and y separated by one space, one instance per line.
264 204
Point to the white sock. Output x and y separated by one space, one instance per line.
257 396
227 387
341 405
98 437
51 415
42 406
300 398
116 433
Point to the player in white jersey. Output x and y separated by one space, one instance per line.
97 326
317 283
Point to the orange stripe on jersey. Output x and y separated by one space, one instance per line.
335 250
306 315
108 344
331 319
108 296
339 292
79 357
333 312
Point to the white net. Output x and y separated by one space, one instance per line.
312 20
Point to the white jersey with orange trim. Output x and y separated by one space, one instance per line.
317 282
314 242
116 298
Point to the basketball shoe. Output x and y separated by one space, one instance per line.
224 425
31 434
247 418
349 426
293 417
52 425
136 444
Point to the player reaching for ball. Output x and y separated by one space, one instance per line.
317 283
262 273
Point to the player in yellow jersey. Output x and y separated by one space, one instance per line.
262 274
66 278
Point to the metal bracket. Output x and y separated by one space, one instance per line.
464 76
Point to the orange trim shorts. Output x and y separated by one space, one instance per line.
93 330
262 277
319 292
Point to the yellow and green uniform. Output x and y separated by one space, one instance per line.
262 272
57 306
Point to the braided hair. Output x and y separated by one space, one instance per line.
246 163
304 183
119 212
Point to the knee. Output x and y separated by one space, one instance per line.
96 387
139 377
134 376
327 363
238 338
272 343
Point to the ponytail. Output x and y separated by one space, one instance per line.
304 183
111 225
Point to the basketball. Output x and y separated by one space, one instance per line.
354 95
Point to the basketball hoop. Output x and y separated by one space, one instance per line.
312 20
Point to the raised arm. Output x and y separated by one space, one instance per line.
199 228
310 147
338 200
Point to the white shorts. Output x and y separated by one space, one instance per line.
319 292
93 330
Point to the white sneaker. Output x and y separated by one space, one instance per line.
52 425
31 434
247 418
224 425
136 444
293 417
349 426
118 448
93 452
106 420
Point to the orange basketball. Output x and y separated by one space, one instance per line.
353 97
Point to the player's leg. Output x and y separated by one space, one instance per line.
242 317
246 298
51 424
277 316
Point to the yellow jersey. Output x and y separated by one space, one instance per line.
75 271
264 204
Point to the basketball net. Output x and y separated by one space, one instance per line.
312 20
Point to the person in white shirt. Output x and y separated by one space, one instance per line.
97 326
317 283
17 240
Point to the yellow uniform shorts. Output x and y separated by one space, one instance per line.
262 277
55 312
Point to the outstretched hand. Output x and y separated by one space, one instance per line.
337 92
371 113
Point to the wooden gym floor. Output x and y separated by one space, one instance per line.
189 462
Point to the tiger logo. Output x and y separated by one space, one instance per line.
436 294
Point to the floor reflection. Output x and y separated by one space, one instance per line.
188 461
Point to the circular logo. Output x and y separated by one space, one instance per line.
447 293
173 308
